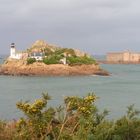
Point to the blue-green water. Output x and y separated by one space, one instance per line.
116 92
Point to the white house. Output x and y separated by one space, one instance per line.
63 61
37 55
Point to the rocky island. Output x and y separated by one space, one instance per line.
43 59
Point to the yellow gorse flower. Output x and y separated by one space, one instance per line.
85 110
20 122
90 98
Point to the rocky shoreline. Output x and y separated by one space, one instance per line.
19 68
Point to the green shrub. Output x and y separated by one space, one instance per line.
51 60
42 122
77 119
80 60
66 51
31 60
54 59
48 52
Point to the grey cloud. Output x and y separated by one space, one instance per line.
96 26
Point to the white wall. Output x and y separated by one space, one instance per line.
15 55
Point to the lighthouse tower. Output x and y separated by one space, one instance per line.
12 51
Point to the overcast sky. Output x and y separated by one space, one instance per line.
94 26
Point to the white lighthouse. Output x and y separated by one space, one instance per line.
12 51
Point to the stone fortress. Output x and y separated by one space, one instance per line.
123 57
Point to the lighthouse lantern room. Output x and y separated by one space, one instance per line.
12 50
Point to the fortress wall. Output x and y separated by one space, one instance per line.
123 57
126 56
135 57
115 57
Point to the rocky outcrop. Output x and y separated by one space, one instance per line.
41 69
20 67
41 45
80 53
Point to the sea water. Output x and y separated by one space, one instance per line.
115 92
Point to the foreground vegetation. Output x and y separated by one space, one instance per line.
77 119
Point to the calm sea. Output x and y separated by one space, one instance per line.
116 92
